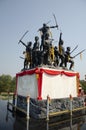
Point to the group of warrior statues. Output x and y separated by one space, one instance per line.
46 53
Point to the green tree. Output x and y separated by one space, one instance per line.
83 83
13 84
6 82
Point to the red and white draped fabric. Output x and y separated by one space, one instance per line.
39 76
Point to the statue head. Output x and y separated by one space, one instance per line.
36 38
29 43
44 25
68 48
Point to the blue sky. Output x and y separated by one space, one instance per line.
18 16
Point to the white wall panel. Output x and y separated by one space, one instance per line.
58 86
27 85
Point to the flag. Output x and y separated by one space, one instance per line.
81 56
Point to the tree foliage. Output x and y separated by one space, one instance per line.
83 84
7 83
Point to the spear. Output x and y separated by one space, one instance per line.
23 36
48 22
22 57
79 53
74 49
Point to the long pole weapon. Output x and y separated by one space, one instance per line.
22 57
79 53
74 49
23 36
48 22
